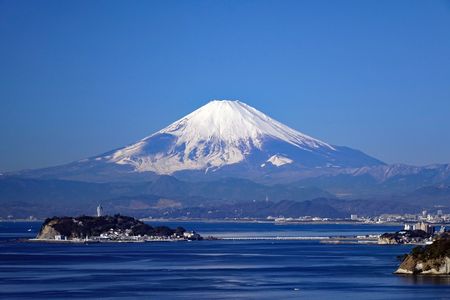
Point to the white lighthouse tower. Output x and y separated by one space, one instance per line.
99 211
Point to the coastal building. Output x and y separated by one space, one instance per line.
429 229
424 227
354 217
60 237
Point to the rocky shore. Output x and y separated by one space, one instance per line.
108 229
432 259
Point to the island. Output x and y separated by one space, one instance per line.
115 228
419 233
433 259
405 237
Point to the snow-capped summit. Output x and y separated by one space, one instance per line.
234 122
228 133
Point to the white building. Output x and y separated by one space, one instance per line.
424 227
60 237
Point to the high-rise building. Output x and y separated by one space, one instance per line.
424 227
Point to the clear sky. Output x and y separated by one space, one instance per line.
78 78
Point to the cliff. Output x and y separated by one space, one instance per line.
433 259
106 226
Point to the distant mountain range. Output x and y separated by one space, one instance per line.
220 155
232 198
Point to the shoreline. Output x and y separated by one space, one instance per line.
322 239
263 221
35 240
244 221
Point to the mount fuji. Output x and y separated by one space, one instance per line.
225 133
221 138
226 153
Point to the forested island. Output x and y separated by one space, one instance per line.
115 228
433 259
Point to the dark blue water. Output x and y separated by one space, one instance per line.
211 269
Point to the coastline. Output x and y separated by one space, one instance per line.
90 241
244 220
264 221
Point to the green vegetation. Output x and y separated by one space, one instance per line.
439 249
85 226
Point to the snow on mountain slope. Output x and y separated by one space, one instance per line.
235 123
225 133
217 134
385 172
225 139
278 160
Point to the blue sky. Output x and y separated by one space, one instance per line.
78 78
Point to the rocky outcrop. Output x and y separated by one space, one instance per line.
413 266
433 259
48 232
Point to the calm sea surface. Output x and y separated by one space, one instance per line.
211 269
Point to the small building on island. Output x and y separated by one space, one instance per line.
99 211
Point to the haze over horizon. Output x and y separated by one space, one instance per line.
79 80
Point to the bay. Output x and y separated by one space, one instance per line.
223 269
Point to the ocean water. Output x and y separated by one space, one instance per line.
244 269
